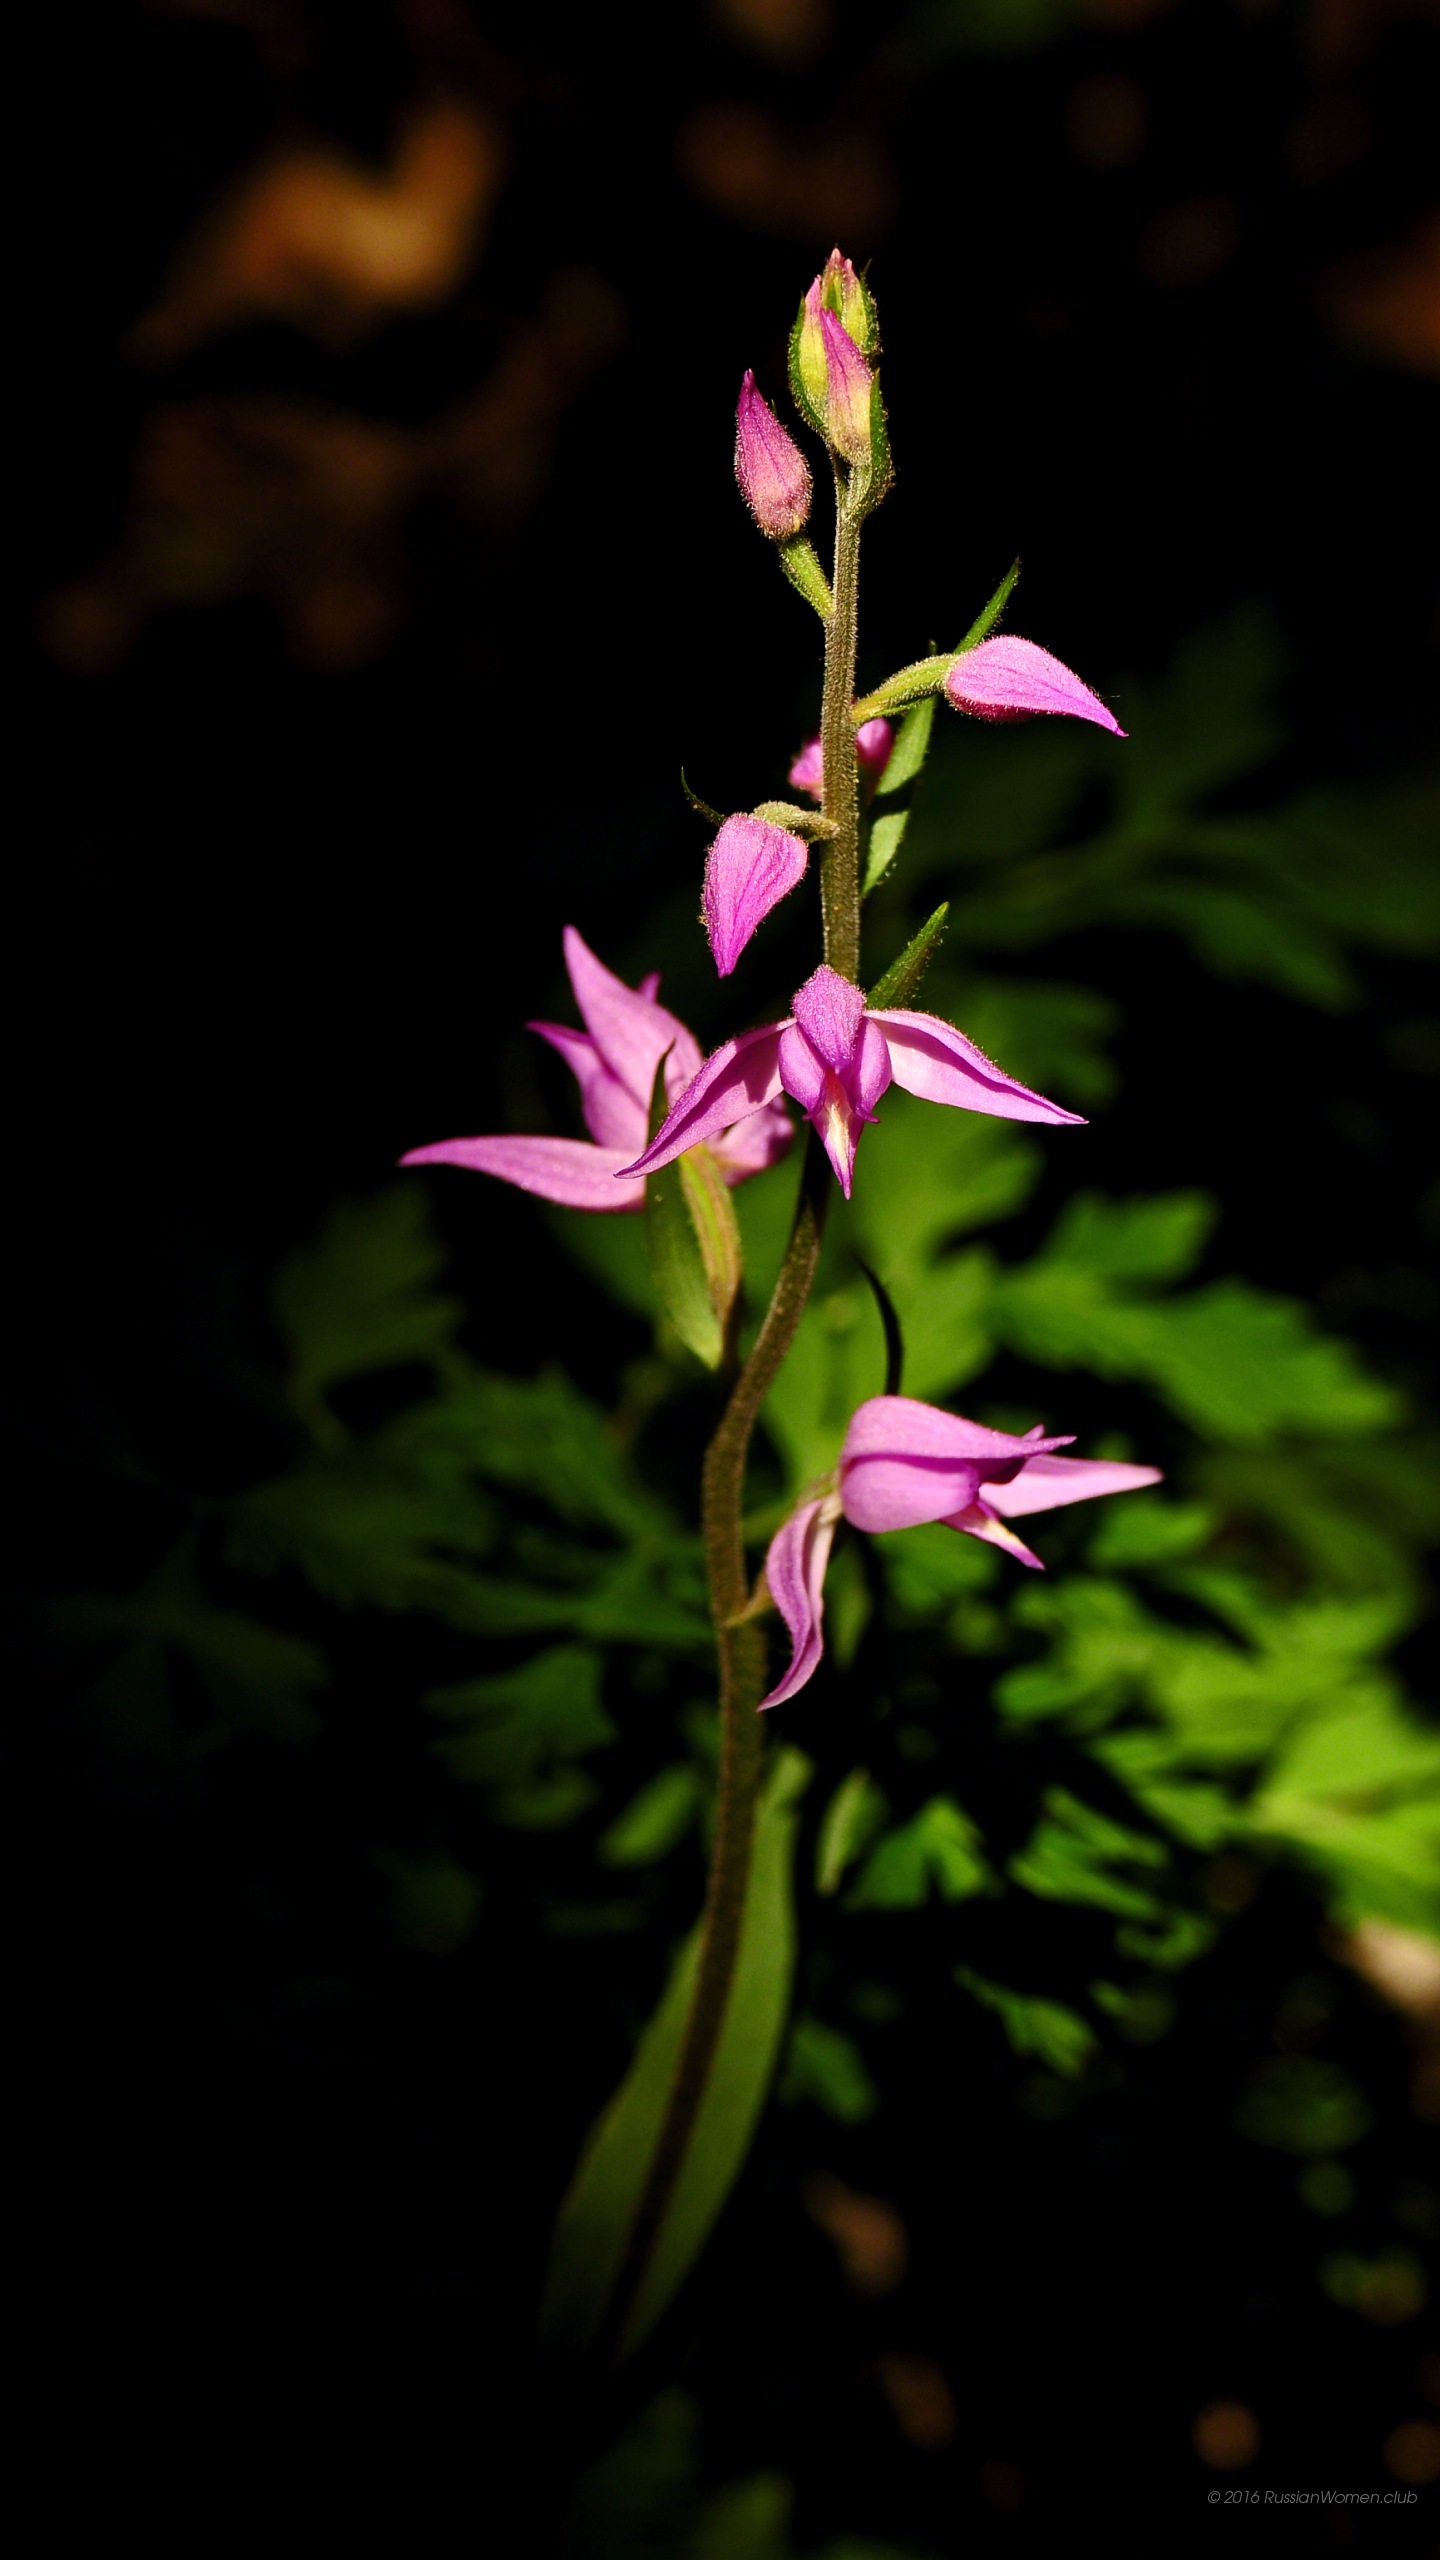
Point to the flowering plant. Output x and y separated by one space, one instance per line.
670 1134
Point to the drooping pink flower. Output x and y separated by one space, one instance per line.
904 1462
773 473
614 1059
837 1057
751 866
1008 679
874 745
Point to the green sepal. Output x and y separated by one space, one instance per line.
693 1243
904 975
871 485
810 401
715 816
801 564
985 621
599 2210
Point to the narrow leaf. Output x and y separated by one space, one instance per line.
912 745
886 837
598 2212
714 816
984 623
904 975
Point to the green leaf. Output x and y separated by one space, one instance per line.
1303 2105
827 2067
1045 2029
901 980
912 745
939 1847
854 1814
599 2209
518 1724
654 1820
989 614
362 1296
887 834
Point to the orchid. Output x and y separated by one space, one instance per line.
614 1061
751 867
1008 679
836 1057
773 473
874 744
903 1463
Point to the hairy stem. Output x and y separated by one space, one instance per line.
740 1641
741 1652
840 801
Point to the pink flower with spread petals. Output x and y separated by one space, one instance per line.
751 866
1008 679
904 1462
773 473
614 1060
837 1057
874 743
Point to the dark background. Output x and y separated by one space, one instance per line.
378 603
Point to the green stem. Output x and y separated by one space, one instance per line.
740 1640
840 801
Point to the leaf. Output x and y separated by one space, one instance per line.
912 745
826 2066
654 1820
518 1724
1045 2029
989 614
902 978
362 1296
1074 1855
854 1814
541 1435
598 2211
365 1530
939 1846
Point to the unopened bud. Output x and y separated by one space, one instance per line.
773 473
874 744
848 296
848 386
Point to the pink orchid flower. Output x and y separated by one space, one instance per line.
874 741
837 1058
613 1060
1008 679
904 1462
750 867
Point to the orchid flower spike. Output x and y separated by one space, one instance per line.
773 473
904 1462
613 1060
874 744
1008 679
751 866
837 1057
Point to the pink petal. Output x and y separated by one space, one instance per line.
874 746
1044 1483
847 391
904 1462
740 1078
830 1011
612 1115
631 1031
773 473
795 1571
933 1059
1005 678
751 867
754 1143
807 773
563 1169
979 1521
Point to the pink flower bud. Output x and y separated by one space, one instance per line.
1007 679
751 867
848 384
773 473
874 744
